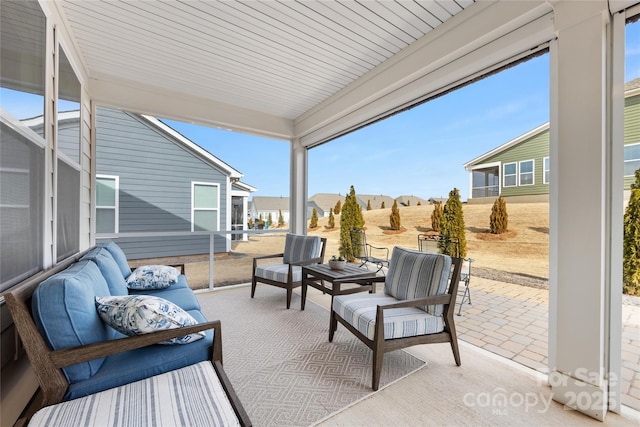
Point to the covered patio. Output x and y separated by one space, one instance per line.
308 72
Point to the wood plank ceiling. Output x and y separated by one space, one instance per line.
276 57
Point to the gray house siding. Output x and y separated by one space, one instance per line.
155 178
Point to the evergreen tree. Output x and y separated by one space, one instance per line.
332 221
382 205
499 219
408 202
337 208
314 219
260 221
368 205
250 224
452 226
419 203
436 217
346 225
631 243
351 218
280 218
394 218
269 219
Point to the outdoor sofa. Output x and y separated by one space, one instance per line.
70 336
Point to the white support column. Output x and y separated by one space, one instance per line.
298 189
580 199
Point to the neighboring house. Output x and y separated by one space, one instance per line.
150 178
263 206
520 169
327 201
409 201
376 200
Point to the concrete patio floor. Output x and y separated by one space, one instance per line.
510 323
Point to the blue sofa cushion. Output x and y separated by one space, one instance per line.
109 269
119 256
179 294
63 311
142 314
134 365
153 277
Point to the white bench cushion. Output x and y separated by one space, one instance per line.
190 396
360 311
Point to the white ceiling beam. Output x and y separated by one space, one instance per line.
178 106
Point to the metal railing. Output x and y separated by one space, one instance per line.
487 191
211 234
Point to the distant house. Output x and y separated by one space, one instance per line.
150 178
520 169
376 200
410 201
327 201
263 206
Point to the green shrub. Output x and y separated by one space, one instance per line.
631 243
351 218
436 217
452 226
394 218
382 205
332 220
337 207
314 219
499 219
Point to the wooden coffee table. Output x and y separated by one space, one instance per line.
316 275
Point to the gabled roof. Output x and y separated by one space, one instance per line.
410 200
267 203
515 141
632 88
327 201
376 200
192 146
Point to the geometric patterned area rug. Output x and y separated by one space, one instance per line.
281 363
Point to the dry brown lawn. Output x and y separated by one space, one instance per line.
523 250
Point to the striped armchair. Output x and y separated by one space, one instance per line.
416 308
299 250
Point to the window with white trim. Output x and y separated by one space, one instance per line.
205 203
525 176
546 173
107 203
510 175
631 159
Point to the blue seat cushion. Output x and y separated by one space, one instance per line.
134 365
359 310
179 294
109 269
119 256
64 312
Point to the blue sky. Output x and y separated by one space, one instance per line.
418 152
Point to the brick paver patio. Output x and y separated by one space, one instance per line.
512 321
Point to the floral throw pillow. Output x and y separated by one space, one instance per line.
142 314
153 277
